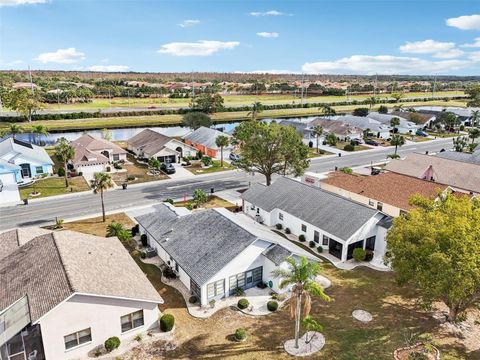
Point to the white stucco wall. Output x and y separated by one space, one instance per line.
102 315
268 267
9 193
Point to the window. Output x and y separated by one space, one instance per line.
78 338
280 216
379 206
316 236
304 228
325 240
371 202
116 157
39 169
370 244
132 321
216 288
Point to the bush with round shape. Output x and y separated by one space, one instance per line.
61 171
279 226
112 343
287 231
272 305
240 334
320 249
243 303
349 147
301 238
192 299
359 254
311 244
167 321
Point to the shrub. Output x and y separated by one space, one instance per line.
143 255
360 112
167 322
368 255
346 170
130 178
189 206
279 226
238 291
240 334
320 249
311 244
301 237
359 254
349 147
207 160
243 303
310 144
112 343
212 303
192 299
79 174
61 171
383 109
287 231
138 337
169 273
272 305
170 201
108 169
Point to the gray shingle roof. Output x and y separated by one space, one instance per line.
149 141
460 156
336 215
276 253
205 136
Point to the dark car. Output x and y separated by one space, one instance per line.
421 133
371 142
234 157
167 168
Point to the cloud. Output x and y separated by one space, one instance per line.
189 23
108 68
466 22
268 34
475 44
20 2
61 56
474 56
267 13
449 54
426 47
199 48
383 64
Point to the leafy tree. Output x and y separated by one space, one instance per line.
459 143
271 149
13 130
317 132
397 96
195 120
101 182
208 103
448 119
39 131
301 276
473 91
383 109
154 163
371 101
473 134
257 108
221 141
436 247
199 197
397 140
327 110
64 152
366 133
394 122
331 139
475 118
24 101
360 112
310 324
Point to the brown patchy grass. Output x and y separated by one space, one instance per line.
95 226
213 202
139 170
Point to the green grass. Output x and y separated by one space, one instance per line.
197 168
443 135
340 145
312 153
54 186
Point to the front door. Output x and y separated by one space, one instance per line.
246 280
26 172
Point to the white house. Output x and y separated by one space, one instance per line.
32 159
64 293
8 182
376 127
405 126
215 251
337 224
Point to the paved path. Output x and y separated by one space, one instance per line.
44 211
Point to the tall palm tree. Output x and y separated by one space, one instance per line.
13 129
257 108
39 131
101 182
475 117
397 140
327 110
473 134
371 101
366 133
302 276
65 152
394 122
221 141
317 132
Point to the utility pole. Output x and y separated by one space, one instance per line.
301 92
375 86
434 86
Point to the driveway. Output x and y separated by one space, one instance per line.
180 173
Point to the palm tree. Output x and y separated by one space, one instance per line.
473 134
39 131
257 108
327 110
371 101
13 129
114 229
101 183
474 117
65 152
221 141
366 133
397 140
317 132
394 122
302 276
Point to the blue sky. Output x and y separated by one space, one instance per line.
338 37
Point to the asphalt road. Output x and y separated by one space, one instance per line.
44 211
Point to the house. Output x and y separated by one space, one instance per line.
473 158
92 154
151 144
463 114
32 159
420 119
405 126
388 192
215 251
458 175
64 293
339 129
301 127
337 224
203 139
376 127
9 173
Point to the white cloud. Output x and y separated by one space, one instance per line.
199 48
20 2
189 23
268 34
61 56
475 44
449 54
383 64
267 13
474 56
426 47
466 22
108 68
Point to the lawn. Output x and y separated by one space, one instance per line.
312 152
197 169
54 185
340 145
137 169
444 135
213 202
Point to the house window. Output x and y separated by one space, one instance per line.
216 288
316 236
371 202
304 228
280 216
116 157
39 169
379 206
325 240
77 338
132 320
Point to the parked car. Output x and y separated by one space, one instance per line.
234 157
421 133
356 142
371 142
167 168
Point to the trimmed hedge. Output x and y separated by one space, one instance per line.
167 322
287 231
112 343
240 334
301 238
243 304
320 249
311 244
279 226
272 305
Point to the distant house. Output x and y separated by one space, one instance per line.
33 160
337 224
423 120
92 154
338 128
376 127
464 114
151 144
203 139
9 173
215 251
301 127
405 126
64 293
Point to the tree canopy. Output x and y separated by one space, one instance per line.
207 103
25 101
473 91
195 120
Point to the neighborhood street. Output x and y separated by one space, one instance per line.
44 211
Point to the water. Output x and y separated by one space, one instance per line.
127 133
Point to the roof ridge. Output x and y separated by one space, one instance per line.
236 224
67 276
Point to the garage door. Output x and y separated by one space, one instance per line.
167 159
